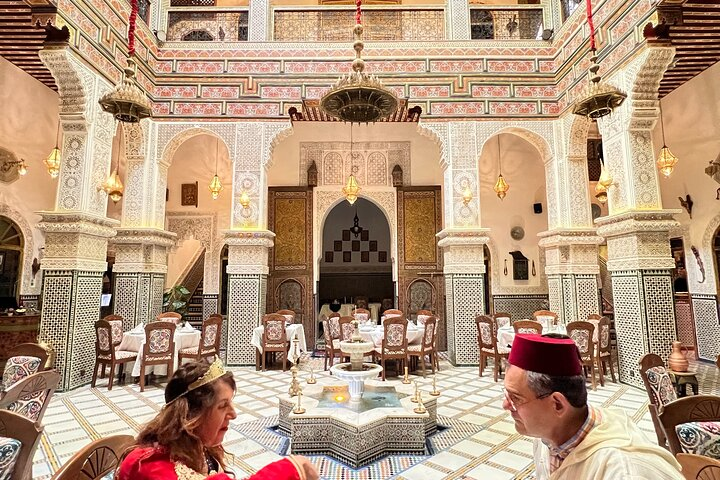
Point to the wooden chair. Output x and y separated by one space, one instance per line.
423 315
659 388
527 326
362 315
502 319
394 345
488 345
288 314
689 411
582 334
209 345
106 354
594 316
346 328
698 467
174 317
604 350
24 360
392 312
426 346
116 322
26 432
159 348
31 396
274 338
96 460
333 323
546 318
435 350
330 351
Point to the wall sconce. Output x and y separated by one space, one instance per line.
19 164
467 195
244 200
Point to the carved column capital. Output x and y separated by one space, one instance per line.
463 249
248 251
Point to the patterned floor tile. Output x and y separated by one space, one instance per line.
476 439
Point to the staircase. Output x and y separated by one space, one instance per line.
194 313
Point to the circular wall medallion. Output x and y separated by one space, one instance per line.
517 233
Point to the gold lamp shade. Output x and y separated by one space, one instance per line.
598 99
467 195
215 187
245 200
351 190
601 192
605 178
113 186
666 161
52 162
501 187
127 102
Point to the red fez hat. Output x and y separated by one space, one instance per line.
558 357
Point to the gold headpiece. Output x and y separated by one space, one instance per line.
215 371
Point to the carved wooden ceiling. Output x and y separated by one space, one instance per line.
22 35
693 27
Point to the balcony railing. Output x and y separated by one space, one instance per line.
335 25
506 24
207 26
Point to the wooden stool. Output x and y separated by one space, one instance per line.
681 379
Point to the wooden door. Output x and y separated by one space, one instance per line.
290 262
420 279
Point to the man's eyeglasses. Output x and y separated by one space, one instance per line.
515 405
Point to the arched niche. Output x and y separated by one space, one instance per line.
12 244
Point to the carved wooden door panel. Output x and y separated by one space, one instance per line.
420 280
290 262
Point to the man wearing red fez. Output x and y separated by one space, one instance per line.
546 395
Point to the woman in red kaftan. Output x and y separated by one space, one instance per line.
184 441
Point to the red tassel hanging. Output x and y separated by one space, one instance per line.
591 24
358 14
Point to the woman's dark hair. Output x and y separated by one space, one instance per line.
175 426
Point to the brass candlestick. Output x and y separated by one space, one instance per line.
311 379
415 397
295 388
420 407
298 407
435 392
406 378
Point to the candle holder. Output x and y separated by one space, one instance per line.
406 378
298 407
415 397
311 380
420 409
435 392
295 388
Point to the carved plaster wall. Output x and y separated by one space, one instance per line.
203 228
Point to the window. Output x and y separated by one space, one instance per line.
481 25
198 36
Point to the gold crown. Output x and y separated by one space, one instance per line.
215 371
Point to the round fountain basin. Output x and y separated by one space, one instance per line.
356 378
357 352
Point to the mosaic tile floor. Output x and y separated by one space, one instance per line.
479 443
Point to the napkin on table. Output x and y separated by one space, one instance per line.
187 327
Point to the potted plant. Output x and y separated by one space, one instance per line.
176 299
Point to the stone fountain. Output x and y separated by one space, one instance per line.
359 422
356 372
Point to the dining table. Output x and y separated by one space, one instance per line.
134 340
376 333
292 330
506 334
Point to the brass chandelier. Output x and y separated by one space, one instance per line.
357 96
127 102
598 98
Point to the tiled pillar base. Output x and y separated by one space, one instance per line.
247 284
464 290
139 273
640 265
73 267
571 265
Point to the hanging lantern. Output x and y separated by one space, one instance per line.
351 190
52 162
666 161
467 195
113 186
501 187
605 178
215 187
601 192
22 168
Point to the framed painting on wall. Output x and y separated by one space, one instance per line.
346 235
329 257
189 194
355 245
365 235
347 257
373 245
365 257
337 246
382 257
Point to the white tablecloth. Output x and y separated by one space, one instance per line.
134 341
345 310
376 334
290 331
506 335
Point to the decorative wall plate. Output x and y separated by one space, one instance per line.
517 233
